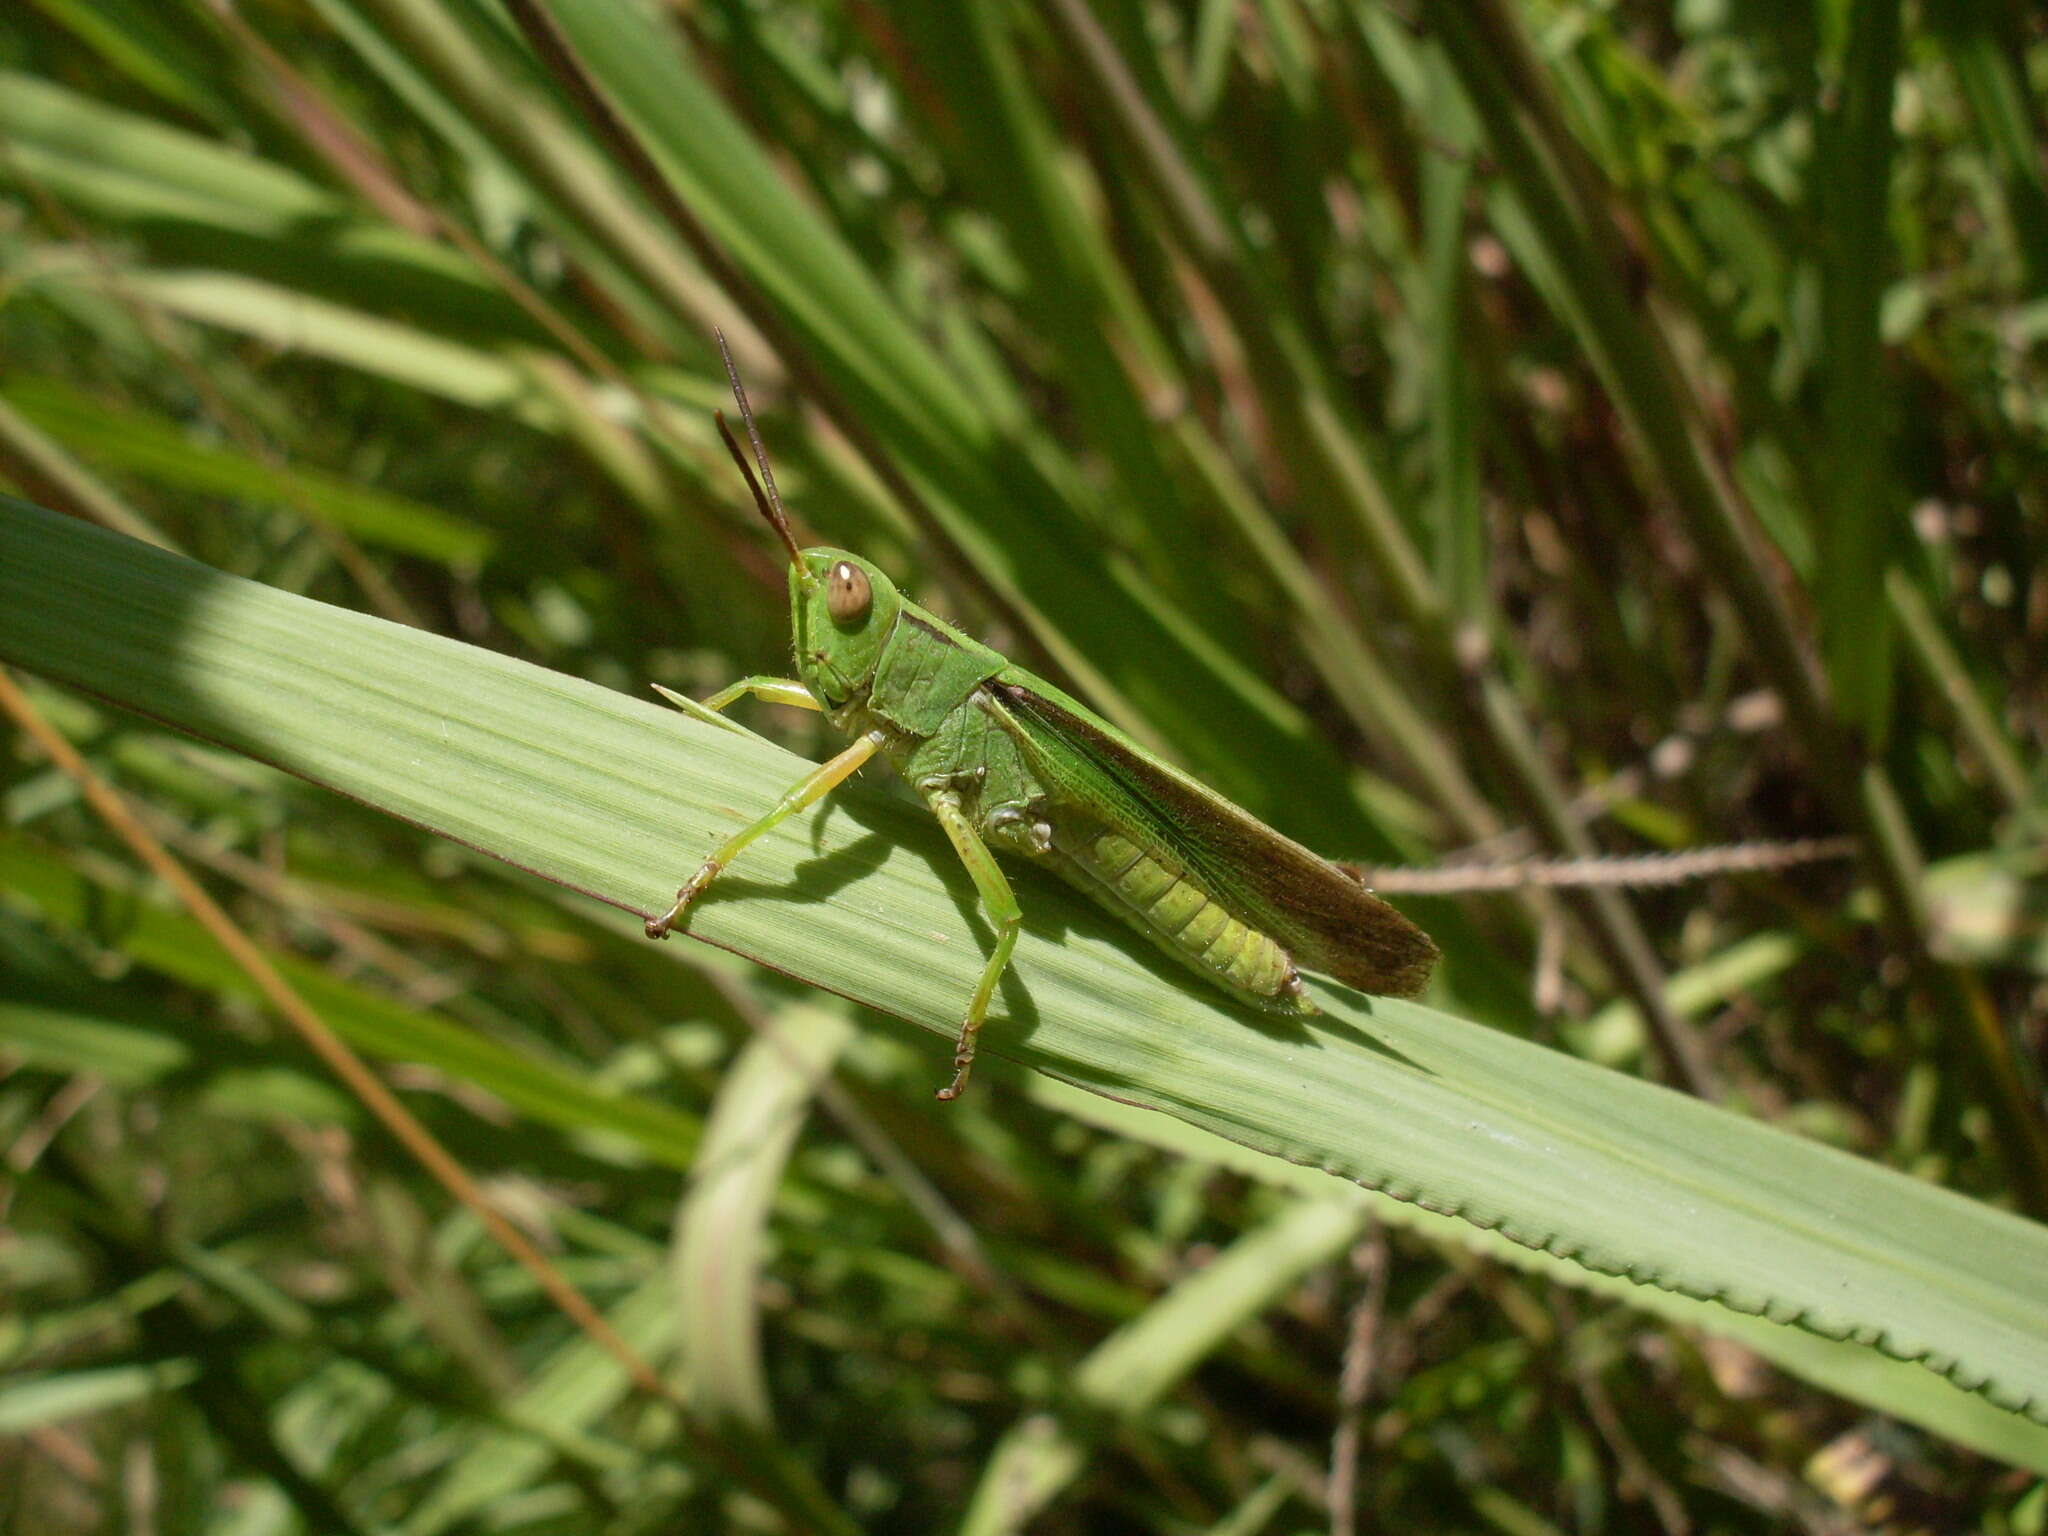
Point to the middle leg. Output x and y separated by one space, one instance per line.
999 902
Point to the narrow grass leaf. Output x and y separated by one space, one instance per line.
720 1239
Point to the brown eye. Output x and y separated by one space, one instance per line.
847 594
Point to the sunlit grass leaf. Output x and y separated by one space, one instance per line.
614 797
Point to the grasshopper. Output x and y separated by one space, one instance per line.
1008 763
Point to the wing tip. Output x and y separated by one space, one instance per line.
1397 961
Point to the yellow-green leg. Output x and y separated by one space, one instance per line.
776 690
812 786
999 902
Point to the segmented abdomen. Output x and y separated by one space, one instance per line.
1151 889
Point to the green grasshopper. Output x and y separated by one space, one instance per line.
1006 761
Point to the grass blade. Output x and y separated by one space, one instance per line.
611 796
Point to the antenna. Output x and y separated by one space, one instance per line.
769 502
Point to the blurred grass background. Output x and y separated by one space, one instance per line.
1539 427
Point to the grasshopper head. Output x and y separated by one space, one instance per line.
842 609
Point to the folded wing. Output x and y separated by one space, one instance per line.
1322 916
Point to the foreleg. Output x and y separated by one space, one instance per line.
776 690
811 787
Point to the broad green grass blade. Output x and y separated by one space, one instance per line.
1895 1387
618 798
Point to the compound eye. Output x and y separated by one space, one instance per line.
847 593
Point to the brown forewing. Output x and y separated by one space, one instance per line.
1322 916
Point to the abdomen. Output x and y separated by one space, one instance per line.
1150 889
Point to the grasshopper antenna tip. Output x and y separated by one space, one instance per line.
770 500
